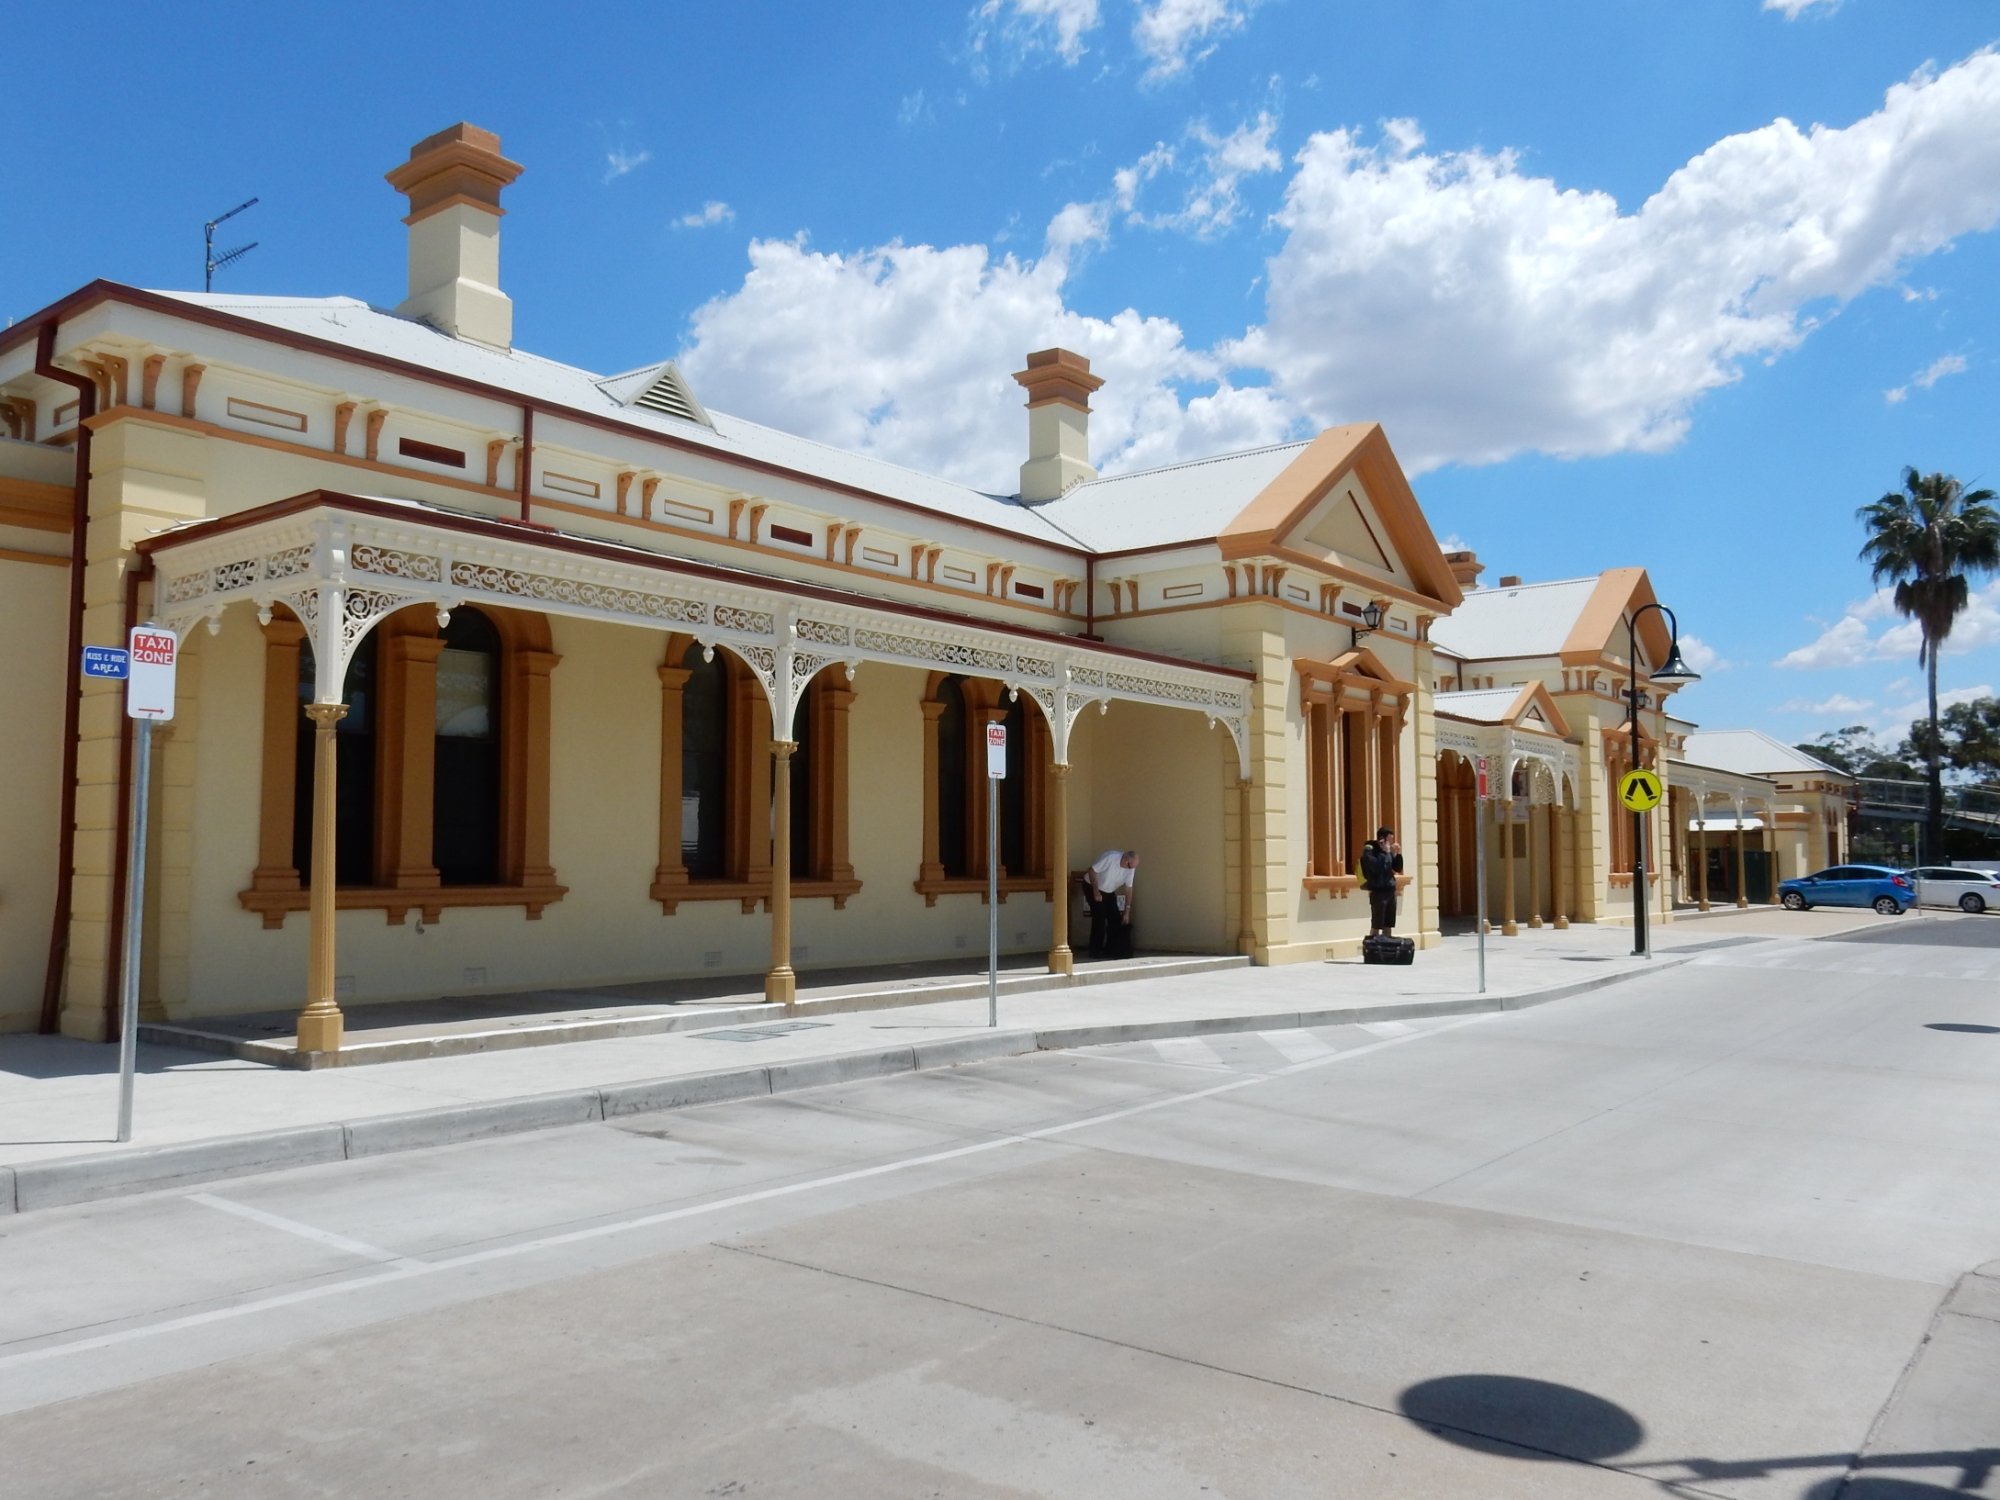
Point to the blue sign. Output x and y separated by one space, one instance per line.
106 661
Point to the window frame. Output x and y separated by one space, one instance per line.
402 877
984 701
1352 710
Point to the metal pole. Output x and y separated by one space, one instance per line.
135 923
1479 870
1639 948
992 902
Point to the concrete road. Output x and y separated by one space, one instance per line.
1706 1233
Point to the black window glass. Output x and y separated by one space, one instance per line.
465 805
951 788
801 809
1014 792
704 764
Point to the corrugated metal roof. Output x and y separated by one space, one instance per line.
1480 705
1751 752
1182 502
1189 501
1533 619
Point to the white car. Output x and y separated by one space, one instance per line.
1950 885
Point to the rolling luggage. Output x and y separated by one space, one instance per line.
1388 950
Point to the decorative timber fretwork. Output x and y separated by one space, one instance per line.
340 563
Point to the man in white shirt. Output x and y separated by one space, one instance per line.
1108 886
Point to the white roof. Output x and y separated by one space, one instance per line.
1182 502
1156 507
1532 619
1751 752
1481 705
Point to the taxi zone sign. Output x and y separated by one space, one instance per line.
149 691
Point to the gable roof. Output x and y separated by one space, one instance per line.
1579 620
1273 523
1751 752
1527 707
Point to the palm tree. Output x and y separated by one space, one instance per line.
1927 538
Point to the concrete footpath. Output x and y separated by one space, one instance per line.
198 1116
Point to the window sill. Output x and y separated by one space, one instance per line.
751 893
396 905
1342 885
1621 880
966 885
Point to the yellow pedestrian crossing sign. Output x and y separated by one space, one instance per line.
1640 790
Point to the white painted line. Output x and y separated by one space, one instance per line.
1188 1049
1387 1028
404 1269
305 1231
1297 1046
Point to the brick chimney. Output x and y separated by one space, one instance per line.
453 181
1059 386
1465 568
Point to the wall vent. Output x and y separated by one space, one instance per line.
658 388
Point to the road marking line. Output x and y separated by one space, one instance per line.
1188 1049
305 1231
1387 1028
407 1269
1297 1046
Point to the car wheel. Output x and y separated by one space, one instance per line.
1794 901
1888 906
1973 902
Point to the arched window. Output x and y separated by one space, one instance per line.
717 809
956 713
354 771
441 767
465 806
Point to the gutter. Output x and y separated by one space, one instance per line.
86 389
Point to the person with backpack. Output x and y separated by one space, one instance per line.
1381 863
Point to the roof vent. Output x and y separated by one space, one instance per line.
658 388
1511 581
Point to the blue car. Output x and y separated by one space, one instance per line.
1888 891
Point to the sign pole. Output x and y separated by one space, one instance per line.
152 656
135 923
996 773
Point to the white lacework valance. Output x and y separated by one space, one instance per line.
1713 789
342 566
1551 763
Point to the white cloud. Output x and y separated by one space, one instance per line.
707 216
1479 311
1212 173
1173 35
618 162
1793 9
1895 722
1839 703
1928 376
1702 656
1850 643
1021 28
1473 309
914 110
907 352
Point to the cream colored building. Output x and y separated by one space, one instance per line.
1534 679
500 674
1743 785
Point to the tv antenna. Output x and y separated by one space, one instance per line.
213 262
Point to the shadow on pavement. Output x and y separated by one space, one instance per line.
1538 1421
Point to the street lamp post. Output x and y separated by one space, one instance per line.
1672 672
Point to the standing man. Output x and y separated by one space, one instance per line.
1381 863
1108 888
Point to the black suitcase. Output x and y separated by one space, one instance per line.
1388 950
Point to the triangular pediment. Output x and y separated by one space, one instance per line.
1344 507
1602 632
1534 709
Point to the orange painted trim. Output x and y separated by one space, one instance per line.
36 506
302 450
542 502
10 554
1600 625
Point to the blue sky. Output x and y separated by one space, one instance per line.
1679 285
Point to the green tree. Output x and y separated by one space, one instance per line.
1856 751
1968 737
1928 538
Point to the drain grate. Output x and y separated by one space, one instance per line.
758 1033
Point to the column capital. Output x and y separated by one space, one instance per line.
326 715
